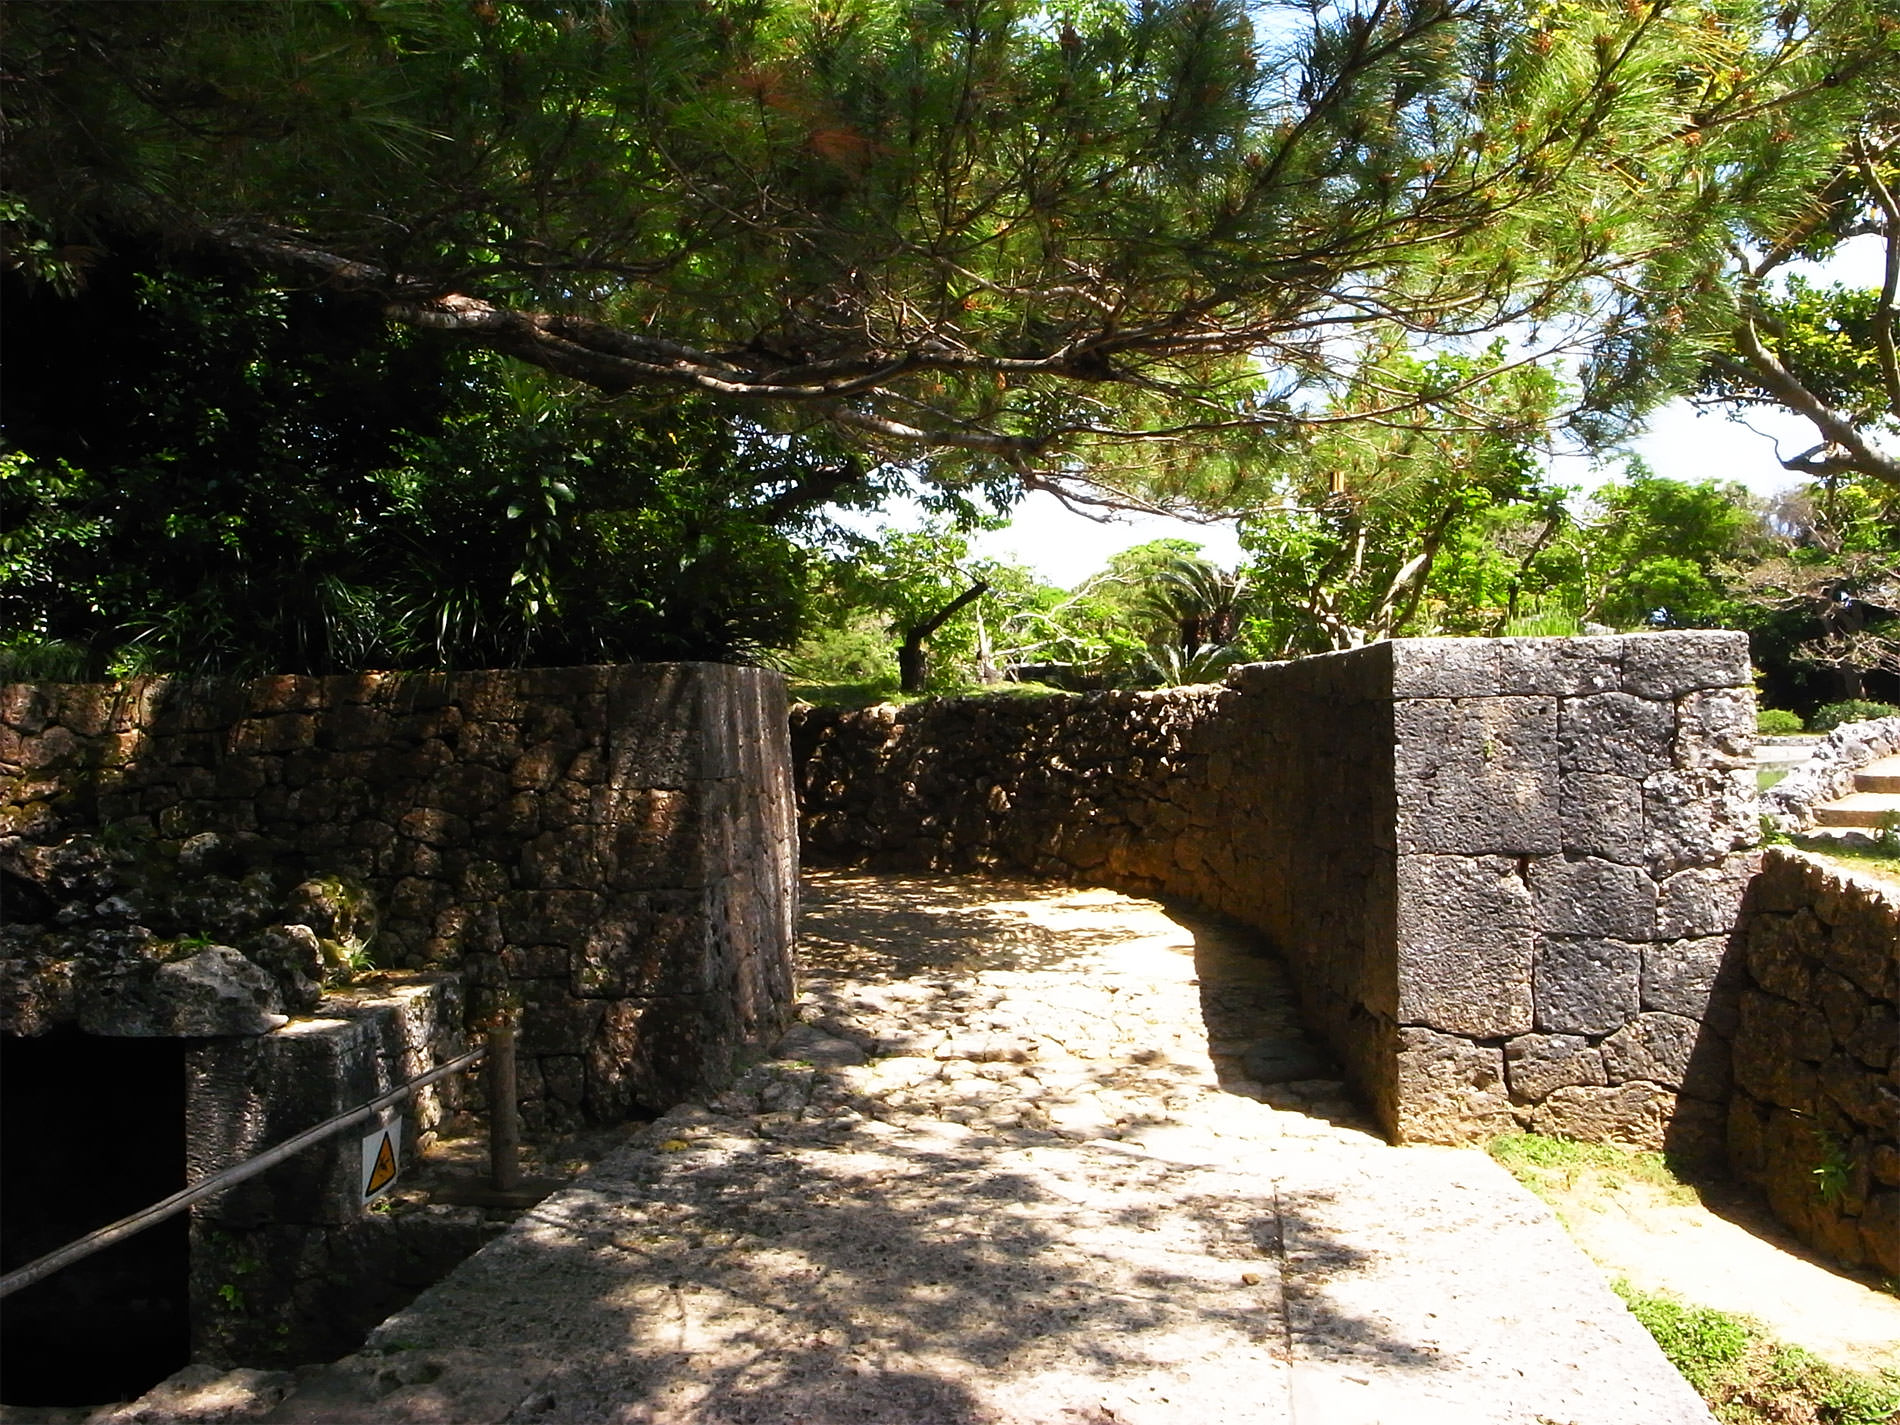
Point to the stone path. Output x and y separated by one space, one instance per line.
1874 799
1016 1166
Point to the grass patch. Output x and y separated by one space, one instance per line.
1875 861
1556 1168
1748 1378
864 695
1744 1374
845 695
1766 777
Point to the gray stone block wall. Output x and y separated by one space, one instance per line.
1575 818
1504 871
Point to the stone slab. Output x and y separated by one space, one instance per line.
914 1239
1428 1287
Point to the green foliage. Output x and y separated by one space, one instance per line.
1159 615
1197 606
1822 598
1705 1346
1747 1378
1116 625
1834 1171
1832 715
1123 596
242 479
1372 519
1192 252
1826 337
900 582
1652 552
1545 615
853 650
1847 1398
1006 235
26 657
1778 722
1887 843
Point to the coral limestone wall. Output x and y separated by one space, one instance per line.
610 850
1504 870
1815 1117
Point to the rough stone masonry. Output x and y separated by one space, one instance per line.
607 851
1814 1119
1505 870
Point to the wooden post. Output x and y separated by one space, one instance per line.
504 1128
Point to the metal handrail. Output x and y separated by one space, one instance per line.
45 1266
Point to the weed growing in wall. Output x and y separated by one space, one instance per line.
1833 1173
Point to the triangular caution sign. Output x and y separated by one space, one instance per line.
383 1173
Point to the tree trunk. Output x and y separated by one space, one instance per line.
986 673
913 664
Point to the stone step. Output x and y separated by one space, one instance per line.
1881 776
1858 809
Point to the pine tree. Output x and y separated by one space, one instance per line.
1109 250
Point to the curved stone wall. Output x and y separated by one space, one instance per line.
1504 871
610 851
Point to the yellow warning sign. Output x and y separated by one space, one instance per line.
382 1150
383 1171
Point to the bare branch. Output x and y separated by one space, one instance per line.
1846 448
1890 281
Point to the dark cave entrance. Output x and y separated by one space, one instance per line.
91 1130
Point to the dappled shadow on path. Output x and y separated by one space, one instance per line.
994 1179
914 1216
871 928
914 1279
881 928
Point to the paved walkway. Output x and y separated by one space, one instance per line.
1016 1166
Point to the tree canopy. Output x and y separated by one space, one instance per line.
210 475
1122 252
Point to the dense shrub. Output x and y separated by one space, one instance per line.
1832 715
1777 722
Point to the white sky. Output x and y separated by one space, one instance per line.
1680 444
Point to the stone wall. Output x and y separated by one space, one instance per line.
288 1267
608 849
1815 1116
608 852
1828 771
1503 870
